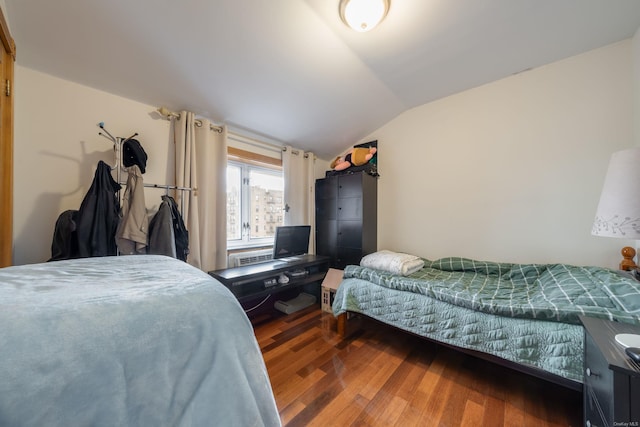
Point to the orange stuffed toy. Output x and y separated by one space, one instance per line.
356 156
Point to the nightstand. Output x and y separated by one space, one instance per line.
611 378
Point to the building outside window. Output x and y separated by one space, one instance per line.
253 192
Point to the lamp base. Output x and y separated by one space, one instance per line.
627 263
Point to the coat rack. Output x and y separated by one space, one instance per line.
117 148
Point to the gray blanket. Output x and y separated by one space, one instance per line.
127 341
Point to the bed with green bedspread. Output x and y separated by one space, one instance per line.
527 314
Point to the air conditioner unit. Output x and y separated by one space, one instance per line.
239 259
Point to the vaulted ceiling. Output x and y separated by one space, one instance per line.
289 69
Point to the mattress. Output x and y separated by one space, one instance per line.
132 340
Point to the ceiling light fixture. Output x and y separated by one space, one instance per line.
363 15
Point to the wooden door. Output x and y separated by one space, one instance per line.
7 58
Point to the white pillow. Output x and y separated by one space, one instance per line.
393 262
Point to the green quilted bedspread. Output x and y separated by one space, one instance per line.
556 292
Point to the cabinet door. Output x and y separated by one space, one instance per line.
350 185
327 198
326 209
348 256
350 208
327 238
327 188
350 234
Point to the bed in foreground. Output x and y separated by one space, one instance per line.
523 316
133 340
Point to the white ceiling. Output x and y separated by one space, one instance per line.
289 69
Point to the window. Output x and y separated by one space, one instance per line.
254 202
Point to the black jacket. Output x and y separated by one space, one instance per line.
98 215
167 233
65 239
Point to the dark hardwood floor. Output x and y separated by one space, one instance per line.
380 376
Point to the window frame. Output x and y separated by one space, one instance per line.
248 161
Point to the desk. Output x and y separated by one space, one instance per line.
253 282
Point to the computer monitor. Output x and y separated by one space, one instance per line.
291 240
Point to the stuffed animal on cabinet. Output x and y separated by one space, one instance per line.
356 156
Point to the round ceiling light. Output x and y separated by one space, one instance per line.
363 15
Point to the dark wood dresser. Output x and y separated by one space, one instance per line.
611 378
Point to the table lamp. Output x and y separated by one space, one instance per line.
618 213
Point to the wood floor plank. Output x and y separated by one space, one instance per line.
472 414
393 397
379 376
348 415
289 413
290 362
278 354
412 413
292 387
351 393
327 388
383 370
514 408
454 404
442 391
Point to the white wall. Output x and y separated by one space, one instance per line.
510 171
57 148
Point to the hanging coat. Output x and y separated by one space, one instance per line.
65 239
98 215
167 233
180 232
131 235
161 238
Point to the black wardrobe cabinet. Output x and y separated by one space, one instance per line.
346 218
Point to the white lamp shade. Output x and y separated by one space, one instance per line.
618 213
363 15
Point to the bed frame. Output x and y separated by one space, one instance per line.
343 332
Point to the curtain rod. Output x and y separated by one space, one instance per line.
165 112
168 114
260 143
257 142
